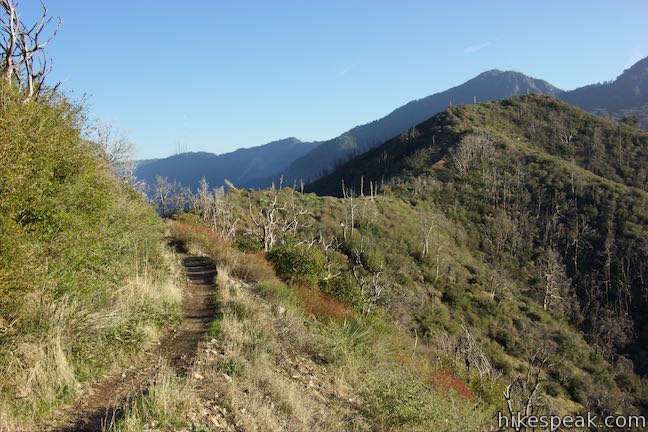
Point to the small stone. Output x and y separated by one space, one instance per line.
198 376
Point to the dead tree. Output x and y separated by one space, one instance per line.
162 195
117 148
522 395
372 281
350 205
556 283
474 151
294 215
275 217
215 209
472 352
329 247
23 56
427 228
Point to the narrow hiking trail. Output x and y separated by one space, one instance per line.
104 400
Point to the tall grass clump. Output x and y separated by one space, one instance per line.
85 278
168 405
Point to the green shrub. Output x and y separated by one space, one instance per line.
401 401
438 318
343 287
248 244
215 327
456 298
277 291
297 261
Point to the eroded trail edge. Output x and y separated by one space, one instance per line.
104 402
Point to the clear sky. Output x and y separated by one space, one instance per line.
218 75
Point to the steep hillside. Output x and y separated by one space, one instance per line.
241 166
610 149
489 85
495 261
86 279
553 199
625 96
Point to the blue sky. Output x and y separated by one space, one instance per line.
216 75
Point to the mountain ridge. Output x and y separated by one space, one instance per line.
312 160
492 84
583 179
238 166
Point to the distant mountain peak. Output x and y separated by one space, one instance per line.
637 71
519 82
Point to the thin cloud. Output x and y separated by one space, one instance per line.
348 68
474 48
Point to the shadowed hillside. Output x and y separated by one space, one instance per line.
545 176
241 166
626 96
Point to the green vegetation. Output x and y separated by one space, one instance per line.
542 241
499 239
266 322
292 260
85 277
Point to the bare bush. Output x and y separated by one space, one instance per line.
215 209
474 152
23 58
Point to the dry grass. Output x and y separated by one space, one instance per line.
169 405
44 366
252 375
319 304
263 369
250 268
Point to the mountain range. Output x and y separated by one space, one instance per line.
306 161
242 166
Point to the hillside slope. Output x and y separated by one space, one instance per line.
627 95
554 198
489 85
498 249
86 279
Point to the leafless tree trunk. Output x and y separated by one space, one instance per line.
556 290
372 281
215 209
522 395
23 59
474 151
162 195
350 205
275 217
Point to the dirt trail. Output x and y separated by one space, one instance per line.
104 401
